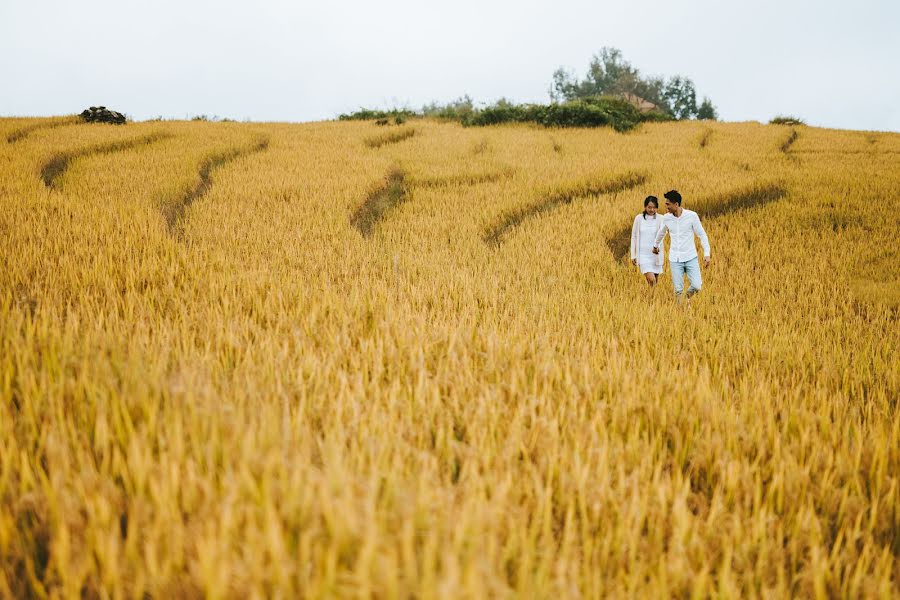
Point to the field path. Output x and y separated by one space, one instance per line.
391 193
463 179
174 214
20 134
390 137
58 163
509 221
792 137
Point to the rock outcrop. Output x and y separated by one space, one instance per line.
101 114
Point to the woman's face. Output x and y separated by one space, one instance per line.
650 209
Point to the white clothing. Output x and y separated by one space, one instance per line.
643 234
649 266
682 230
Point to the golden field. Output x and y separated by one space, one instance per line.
244 360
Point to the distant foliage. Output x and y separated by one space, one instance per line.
707 111
609 95
786 120
602 111
205 119
583 112
398 115
462 109
609 74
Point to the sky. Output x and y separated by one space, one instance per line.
831 63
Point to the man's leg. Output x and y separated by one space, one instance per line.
692 267
677 269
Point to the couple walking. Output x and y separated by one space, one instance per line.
649 231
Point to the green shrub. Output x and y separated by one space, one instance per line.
592 111
494 115
366 114
461 110
584 112
786 120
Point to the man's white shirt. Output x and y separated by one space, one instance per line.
682 230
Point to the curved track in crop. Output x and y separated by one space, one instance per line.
59 163
390 137
463 179
789 141
495 234
174 214
390 193
20 134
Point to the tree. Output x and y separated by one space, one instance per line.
707 110
564 86
681 96
610 74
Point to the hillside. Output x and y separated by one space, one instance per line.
411 360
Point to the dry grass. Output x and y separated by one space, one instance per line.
271 405
389 137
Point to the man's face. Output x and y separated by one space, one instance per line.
671 207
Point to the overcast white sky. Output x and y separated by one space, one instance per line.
833 63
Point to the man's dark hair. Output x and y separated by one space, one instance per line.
673 196
647 201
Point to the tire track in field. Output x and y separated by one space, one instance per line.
390 137
872 152
792 137
463 179
390 193
709 208
557 147
495 233
20 134
705 139
174 213
59 163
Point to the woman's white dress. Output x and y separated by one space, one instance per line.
648 262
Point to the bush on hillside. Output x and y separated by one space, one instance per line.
583 112
786 120
592 111
462 110
398 115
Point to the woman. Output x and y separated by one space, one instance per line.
643 234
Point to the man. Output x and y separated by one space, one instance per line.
682 224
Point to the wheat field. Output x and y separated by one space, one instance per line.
243 360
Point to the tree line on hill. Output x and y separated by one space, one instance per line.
612 93
610 74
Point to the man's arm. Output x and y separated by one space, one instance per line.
660 236
704 241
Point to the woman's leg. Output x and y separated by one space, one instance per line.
651 279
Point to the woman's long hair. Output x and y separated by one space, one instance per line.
647 201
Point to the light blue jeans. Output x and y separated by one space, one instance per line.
691 268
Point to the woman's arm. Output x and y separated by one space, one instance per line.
635 237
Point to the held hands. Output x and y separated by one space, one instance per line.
634 261
655 250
